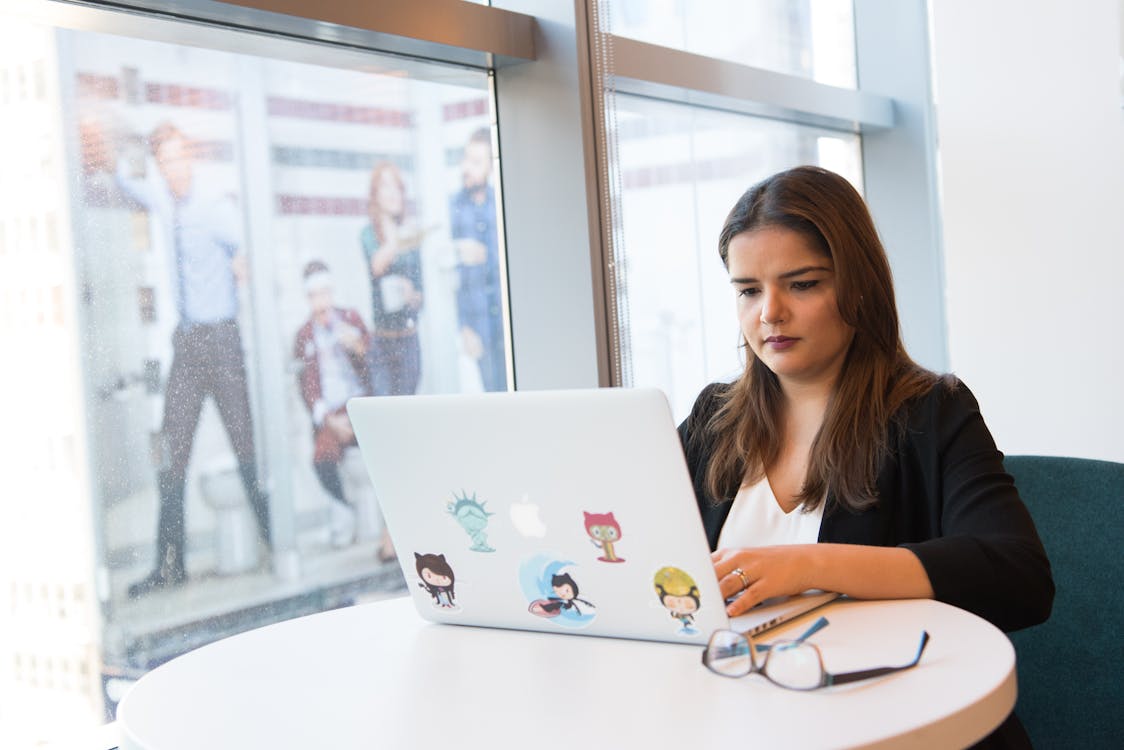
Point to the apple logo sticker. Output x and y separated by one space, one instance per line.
526 519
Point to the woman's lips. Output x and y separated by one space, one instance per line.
780 343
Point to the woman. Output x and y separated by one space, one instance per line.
394 262
836 462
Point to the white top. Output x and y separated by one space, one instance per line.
338 379
377 676
756 520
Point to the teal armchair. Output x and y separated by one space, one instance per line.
1071 668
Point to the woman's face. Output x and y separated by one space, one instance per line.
787 306
389 194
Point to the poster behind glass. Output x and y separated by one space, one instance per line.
257 241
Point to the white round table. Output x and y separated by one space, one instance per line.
378 676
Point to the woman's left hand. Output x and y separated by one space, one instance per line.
767 572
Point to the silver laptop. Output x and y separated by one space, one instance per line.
557 511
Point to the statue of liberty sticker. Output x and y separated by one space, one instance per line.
473 518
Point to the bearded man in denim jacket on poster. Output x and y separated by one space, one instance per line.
479 296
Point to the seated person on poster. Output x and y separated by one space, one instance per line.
834 461
332 349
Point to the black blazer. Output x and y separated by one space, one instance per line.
943 494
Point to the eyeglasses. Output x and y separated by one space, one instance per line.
791 664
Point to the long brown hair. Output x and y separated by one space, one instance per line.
877 376
373 196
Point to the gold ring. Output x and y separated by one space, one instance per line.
741 574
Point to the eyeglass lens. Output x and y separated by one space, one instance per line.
728 654
790 664
794 665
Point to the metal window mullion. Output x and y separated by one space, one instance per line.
673 75
552 222
900 167
269 363
603 94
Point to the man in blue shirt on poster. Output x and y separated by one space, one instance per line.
202 232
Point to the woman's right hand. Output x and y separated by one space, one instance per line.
761 573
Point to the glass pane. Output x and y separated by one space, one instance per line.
203 255
808 38
687 166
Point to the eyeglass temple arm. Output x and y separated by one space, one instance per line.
816 627
866 674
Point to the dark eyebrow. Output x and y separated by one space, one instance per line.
786 275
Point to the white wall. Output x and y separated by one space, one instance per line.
1031 153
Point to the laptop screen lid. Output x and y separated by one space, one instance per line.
558 511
